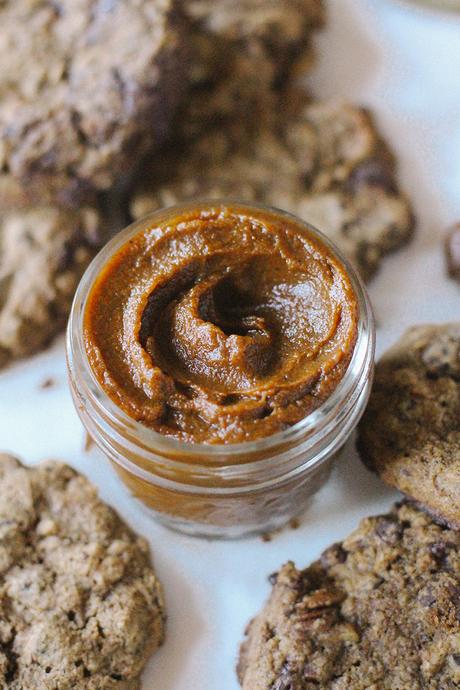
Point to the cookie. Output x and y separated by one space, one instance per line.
80 606
44 251
410 432
242 51
86 87
323 161
379 611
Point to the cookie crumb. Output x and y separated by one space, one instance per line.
452 252
88 444
49 382
294 523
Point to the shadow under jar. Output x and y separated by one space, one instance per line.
220 355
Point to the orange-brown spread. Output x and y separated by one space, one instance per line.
221 324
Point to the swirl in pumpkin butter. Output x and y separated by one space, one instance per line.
221 324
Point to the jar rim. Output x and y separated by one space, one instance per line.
160 443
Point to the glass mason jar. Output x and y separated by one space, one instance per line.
220 490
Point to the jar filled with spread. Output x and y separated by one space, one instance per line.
220 355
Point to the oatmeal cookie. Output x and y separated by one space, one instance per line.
410 432
323 161
379 611
86 86
241 51
80 606
44 251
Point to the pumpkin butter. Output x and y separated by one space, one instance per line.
221 324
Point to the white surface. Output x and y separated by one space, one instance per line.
404 63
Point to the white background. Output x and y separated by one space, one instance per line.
404 63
